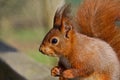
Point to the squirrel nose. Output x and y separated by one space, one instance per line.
41 49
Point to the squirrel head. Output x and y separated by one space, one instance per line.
58 40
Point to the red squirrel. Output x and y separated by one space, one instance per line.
93 53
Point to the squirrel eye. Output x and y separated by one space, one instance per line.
54 41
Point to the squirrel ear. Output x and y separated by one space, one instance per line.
62 19
61 13
66 29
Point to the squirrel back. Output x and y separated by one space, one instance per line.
99 18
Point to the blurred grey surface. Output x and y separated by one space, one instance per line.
18 66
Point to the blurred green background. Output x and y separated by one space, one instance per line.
24 23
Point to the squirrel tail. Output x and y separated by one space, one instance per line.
101 19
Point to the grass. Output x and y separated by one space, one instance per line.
43 58
28 41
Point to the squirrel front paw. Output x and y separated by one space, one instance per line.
68 74
56 71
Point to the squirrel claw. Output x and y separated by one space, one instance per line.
55 71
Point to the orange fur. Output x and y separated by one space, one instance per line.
86 55
97 19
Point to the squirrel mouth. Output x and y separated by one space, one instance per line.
48 54
47 51
52 54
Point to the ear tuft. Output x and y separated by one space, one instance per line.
63 12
